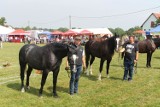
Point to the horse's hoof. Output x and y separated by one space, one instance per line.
91 73
28 87
87 73
22 90
99 79
55 95
40 96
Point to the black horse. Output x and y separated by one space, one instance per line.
103 49
148 46
46 58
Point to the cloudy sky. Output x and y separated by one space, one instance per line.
84 13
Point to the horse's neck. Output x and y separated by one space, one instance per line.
59 50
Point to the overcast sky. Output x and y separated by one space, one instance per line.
55 13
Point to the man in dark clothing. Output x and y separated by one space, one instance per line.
76 60
130 58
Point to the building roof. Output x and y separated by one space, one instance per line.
157 16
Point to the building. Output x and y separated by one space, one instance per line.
149 23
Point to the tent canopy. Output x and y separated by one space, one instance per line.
57 32
19 32
95 31
5 30
70 32
86 32
155 30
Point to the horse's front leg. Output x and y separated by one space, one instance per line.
44 77
55 75
100 69
150 59
107 67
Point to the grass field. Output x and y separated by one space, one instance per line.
143 91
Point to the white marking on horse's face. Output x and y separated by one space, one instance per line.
117 47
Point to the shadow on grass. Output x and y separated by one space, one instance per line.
32 90
90 77
156 57
115 78
117 66
59 89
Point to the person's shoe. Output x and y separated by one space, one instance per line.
124 80
130 80
71 93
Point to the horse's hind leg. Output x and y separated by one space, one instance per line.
55 75
150 59
22 71
28 75
44 77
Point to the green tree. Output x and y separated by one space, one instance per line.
157 22
132 30
2 21
119 31
62 29
112 30
27 28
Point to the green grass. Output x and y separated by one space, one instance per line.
144 90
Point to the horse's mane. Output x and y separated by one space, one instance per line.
57 45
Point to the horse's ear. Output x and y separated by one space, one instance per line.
116 36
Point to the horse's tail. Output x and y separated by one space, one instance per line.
22 60
87 52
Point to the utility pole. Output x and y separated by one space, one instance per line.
28 23
70 23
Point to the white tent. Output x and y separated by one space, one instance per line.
96 31
4 31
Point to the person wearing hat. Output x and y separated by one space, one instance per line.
148 35
80 60
149 40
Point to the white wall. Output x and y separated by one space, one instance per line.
147 24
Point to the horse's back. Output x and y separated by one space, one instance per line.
23 52
146 46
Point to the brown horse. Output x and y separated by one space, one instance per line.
148 46
103 49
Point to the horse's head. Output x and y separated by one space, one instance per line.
117 42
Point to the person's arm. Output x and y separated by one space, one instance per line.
67 65
137 55
83 60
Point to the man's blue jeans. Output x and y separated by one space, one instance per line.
128 68
74 79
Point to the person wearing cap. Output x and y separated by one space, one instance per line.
80 60
149 40
130 58
148 35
